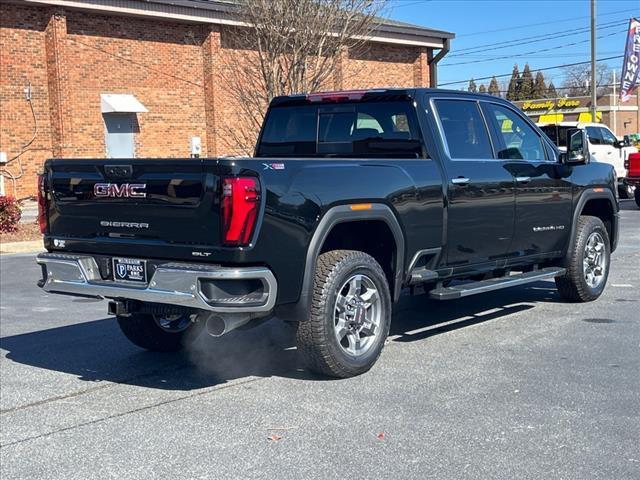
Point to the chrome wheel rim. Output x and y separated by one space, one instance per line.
173 323
594 262
357 315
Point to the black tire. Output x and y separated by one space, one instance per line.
625 191
316 339
637 195
573 286
143 330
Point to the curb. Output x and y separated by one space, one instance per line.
31 246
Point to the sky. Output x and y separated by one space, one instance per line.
489 29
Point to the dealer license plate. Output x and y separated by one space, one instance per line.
129 270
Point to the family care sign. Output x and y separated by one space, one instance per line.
629 80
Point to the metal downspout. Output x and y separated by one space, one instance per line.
433 64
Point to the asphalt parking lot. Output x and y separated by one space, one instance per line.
514 384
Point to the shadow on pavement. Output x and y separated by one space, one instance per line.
97 351
628 205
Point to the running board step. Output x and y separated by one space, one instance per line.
449 293
422 275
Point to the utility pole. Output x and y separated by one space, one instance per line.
594 100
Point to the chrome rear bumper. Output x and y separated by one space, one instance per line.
199 286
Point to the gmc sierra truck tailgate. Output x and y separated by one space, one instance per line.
141 202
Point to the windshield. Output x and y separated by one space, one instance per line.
374 129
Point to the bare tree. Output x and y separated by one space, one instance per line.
578 77
288 46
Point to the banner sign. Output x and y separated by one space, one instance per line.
631 65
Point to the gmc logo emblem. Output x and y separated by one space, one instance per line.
124 190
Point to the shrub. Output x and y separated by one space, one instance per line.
10 214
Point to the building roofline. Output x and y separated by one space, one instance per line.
230 6
224 12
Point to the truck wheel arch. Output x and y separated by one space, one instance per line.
599 203
333 217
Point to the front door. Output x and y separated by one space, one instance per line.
481 199
543 187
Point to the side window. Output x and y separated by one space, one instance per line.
464 130
594 135
608 138
517 140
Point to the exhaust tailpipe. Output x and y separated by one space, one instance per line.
217 326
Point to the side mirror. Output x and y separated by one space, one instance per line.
620 144
577 147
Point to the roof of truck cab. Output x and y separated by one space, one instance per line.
387 92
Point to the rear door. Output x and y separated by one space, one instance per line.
481 197
543 187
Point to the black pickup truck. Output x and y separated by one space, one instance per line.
350 199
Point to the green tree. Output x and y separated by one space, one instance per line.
482 89
526 84
539 86
513 92
472 86
551 91
494 87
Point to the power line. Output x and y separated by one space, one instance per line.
608 85
533 39
542 23
516 55
533 70
480 56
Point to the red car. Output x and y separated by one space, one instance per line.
633 174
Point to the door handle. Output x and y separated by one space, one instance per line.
462 181
523 179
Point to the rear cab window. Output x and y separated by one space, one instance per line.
557 133
384 129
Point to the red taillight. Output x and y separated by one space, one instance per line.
240 203
42 205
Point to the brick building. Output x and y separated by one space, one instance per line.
142 77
